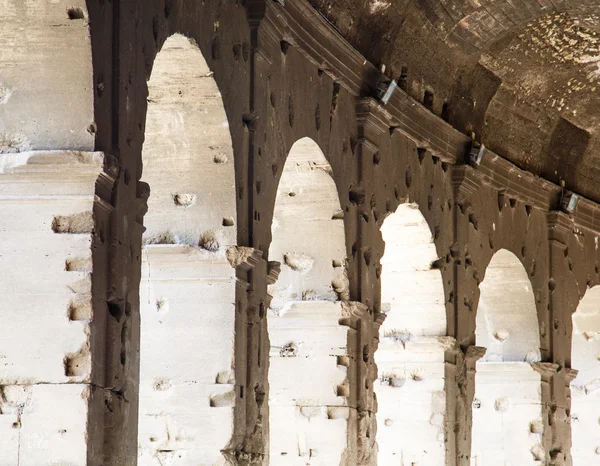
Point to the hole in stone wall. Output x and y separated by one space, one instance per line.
115 309
376 158
445 112
334 100
74 224
403 79
75 13
428 99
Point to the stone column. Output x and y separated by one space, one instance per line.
461 360
460 392
556 348
250 443
373 123
53 268
359 382
556 408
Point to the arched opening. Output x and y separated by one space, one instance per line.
187 293
507 425
308 358
585 388
410 358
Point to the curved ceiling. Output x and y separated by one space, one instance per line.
523 75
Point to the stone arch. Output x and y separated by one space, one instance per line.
308 414
585 393
307 206
507 424
46 83
410 359
188 287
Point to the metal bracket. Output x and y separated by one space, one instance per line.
476 154
568 202
385 90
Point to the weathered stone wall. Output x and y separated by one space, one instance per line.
285 74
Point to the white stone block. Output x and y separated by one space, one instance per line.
308 417
187 391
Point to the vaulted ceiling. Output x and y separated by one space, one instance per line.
523 75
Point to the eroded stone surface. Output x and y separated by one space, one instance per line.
45 343
308 237
188 288
309 411
410 358
187 383
585 389
507 404
46 83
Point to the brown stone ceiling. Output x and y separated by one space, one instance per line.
523 75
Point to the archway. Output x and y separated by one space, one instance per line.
187 293
308 413
507 424
410 358
585 388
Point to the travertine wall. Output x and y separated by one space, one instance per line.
507 423
187 295
46 83
585 400
309 385
310 350
411 413
51 340
283 74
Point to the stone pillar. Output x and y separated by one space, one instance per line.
460 392
556 408
556 348
253 340
373 122
461 360
249 445
53 268
361 423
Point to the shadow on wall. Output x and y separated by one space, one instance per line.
308 376
187 292
410 358
507 425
